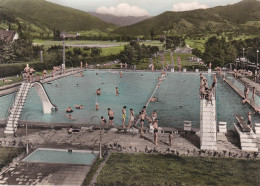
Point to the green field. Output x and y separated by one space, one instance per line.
7 154
157 169
185 63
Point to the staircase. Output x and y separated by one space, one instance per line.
208 125
248 140
15 112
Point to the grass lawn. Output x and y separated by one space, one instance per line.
156 169
112 50
7 154
10 80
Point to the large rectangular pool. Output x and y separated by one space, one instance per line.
178 98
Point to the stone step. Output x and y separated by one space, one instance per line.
248 144
208 130
10 128
208 143
251 149
8 131
248 140
208 148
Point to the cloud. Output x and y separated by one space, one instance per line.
178 7
123 10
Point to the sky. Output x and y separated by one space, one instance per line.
140 7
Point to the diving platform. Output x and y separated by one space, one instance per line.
248 140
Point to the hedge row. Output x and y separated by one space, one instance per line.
16 68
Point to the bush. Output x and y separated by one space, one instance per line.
16 68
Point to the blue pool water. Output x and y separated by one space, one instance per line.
134 91
60 156
179 101
178 98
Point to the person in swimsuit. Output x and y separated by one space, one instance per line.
69 110
98 91
70 130
144 110
69 116
78 106
123 116
117 92
142 118
103 121
44 73
132 118
249 119
110 114
121 74
81 65
155 126
154 115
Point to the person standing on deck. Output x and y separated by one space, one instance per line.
81 65
142 118
155 126
123 116
131 119
110 114
249 118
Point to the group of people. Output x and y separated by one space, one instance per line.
28 73
69 111
205 92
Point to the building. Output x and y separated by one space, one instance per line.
8 36
65 35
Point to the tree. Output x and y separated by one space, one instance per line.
152 34
95 52
219 52
172 42
197 52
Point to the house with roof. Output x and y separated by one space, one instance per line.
8 36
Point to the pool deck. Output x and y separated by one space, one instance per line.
248 83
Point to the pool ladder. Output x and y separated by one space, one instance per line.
15 112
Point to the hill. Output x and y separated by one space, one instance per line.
42 15
240 17
120 21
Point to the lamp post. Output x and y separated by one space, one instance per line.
243 52
100 138
27 148
41 56
257 51
63 63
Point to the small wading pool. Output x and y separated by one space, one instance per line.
43 155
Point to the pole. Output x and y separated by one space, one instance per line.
41 57
100 146
257 59
27 148
243 53
63 64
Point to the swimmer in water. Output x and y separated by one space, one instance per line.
117 92
69 116
98 92
79 106
69 110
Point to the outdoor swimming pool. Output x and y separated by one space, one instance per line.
43 155
178 98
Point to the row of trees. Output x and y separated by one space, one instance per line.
134 52
220 52
19 50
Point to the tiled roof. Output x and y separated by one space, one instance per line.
7 35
